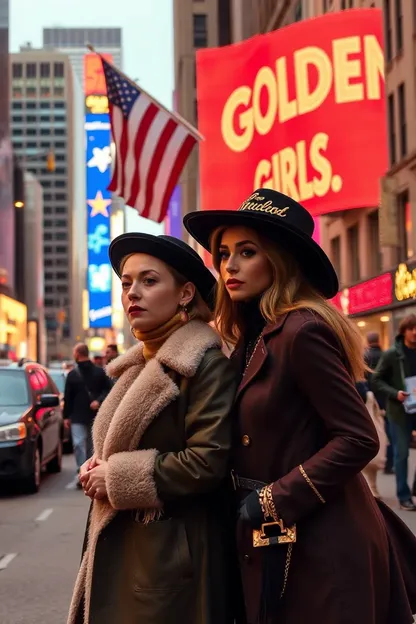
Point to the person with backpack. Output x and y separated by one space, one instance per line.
86 388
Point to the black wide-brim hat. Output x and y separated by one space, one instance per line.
174 252
284 222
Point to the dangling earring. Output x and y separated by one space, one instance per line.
184 314
133 333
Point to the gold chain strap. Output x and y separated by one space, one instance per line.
252 355
311 485
287 566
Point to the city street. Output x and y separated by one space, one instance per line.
40 545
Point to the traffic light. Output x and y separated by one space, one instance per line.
51 162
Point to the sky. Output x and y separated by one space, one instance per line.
147 38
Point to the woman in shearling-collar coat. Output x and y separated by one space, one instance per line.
302 432
157 548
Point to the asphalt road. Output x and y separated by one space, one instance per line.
44 532
40 546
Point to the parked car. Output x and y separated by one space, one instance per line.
59 376
31 424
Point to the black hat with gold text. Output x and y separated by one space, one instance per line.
282 220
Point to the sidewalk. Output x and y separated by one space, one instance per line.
387 488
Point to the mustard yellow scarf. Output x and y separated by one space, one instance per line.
154 339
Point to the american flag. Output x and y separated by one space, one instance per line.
152 146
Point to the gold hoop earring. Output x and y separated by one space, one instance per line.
184 314
133 333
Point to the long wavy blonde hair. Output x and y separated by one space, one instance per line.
289 291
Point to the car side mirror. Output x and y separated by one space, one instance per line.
48 400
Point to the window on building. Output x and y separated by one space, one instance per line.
60 131
59 145
374 243
45 105
388 30
353 253
45 92
47 236
61 223
31 144
17 92
60 196
47 210
60 157
61 236
47 249
47 223
45 70
17 70
17 145
31 70
200 30
62 275
62 289
17 118
31 119
58 91
45 118
336 254
48 262
399 25
49 303
61 249
60 210
58 70
59 104
392 128
31 105
31 131
404 219
31 92
48 277
298 11
61 262
60 170
46 184
17 132
402 120
47 196
45 131
16 105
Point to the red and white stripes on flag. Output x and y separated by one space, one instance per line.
152 146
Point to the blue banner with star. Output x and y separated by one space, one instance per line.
98 174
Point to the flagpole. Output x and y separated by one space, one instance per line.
197 135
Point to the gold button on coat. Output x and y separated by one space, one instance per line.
246 440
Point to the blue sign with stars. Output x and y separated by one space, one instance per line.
98 175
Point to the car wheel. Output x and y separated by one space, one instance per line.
55 465
32 483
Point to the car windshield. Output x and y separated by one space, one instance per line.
13 389
59 379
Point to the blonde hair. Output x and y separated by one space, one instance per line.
289 291
197 309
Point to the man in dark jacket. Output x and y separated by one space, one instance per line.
389 380
86 388
372 357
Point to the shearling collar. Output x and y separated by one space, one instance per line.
182 351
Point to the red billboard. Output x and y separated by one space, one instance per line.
300 110
370 295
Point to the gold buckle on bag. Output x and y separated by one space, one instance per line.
262 537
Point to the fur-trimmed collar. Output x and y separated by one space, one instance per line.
196 335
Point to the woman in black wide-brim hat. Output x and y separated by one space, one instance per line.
314 546
157 542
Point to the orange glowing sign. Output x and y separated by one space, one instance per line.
94 80
301 110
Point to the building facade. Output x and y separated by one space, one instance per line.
197 24
34 268
48 140
73 42
6 162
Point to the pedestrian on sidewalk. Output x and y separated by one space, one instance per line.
158 542
373 355
313 543
86 388
389 379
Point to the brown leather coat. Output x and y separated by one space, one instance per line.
303 427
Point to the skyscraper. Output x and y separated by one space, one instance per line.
73 42
48 139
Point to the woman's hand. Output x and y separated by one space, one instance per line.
94 480
250 510
88 465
